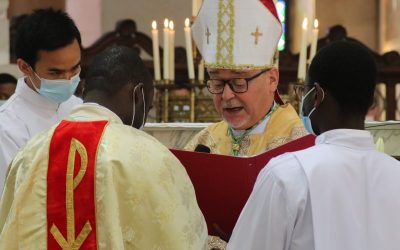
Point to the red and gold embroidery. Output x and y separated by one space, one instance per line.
71 185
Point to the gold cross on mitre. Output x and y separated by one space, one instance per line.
256 35
208 34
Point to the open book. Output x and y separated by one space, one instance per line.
224 183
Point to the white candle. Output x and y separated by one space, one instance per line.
166 51
301 72
189 49
196 4
156 52
201 71
194 7
171 51
314 41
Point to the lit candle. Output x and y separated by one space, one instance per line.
189 49
166 51
314 41
301 72
156 52
201 71
171 51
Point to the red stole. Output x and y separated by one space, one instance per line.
71 180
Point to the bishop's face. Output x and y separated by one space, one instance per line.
243 110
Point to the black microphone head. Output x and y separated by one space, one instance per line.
202 148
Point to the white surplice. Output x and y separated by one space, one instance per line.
339 194
23 116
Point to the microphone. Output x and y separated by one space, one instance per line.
202 148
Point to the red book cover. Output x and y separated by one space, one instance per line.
224 183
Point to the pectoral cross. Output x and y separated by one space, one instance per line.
256 35
208 34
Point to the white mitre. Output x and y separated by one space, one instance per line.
237 34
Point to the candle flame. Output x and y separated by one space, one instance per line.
171 25
305 23
316 24
154 25
187 22
166 23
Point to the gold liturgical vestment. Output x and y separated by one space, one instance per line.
283 126
142 197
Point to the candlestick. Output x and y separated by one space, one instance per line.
201 71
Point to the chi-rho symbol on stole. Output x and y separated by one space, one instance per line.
71 213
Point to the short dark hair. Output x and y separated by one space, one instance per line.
44 29
348 71
114 68
7 78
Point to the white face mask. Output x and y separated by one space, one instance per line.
134 106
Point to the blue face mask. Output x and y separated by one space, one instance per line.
58 90
2 102
306 119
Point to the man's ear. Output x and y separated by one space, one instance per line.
273 75
319 95
24 67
